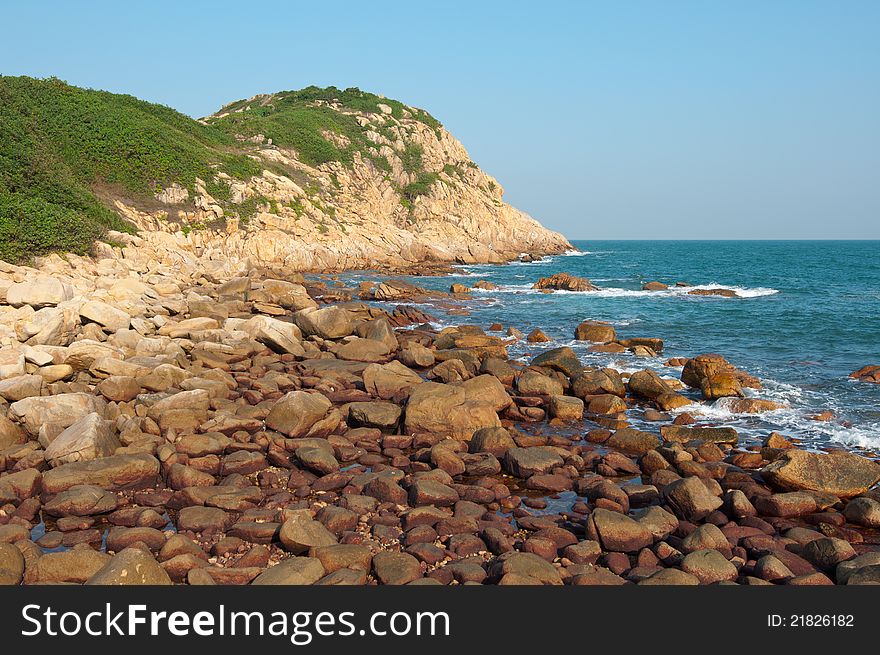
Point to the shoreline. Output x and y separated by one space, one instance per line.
231 429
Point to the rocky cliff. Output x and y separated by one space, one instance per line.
310 180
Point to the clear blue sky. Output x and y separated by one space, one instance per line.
603 120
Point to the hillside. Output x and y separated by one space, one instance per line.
316 179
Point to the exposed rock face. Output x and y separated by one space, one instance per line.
350 216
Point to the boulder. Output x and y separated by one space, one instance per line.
387 380
91 437
131 566
633 441
709 566
684 434
363 350
82 500
532 383
119 388
327 323
594 383
114 473
21 386
595 331
647 384
61 410
863 511
286 294
280 336
568 408
380 415
396 568
495 440
617 532
107 316
561 359
870 373
41 292
840 473
690 499
721 385
296 412
564 282
293 571
74 566
416 355
606 403
524 462
300 533
11 565
445 409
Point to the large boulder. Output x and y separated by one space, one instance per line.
595 331
633 441
647 384
685 433
91 437
525 462
839 473
564 282
595 383
379 329
21 386
280 336
486 388
114 473
286 294
445 409
107 316
40 292
61 410
363 350
11 564
690 499
327 323
131 566
387 380
293 571
296 412
380 415
617 532
82 500
300 533
561 359
721 385
76 565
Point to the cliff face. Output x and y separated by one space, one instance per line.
309 180
430 202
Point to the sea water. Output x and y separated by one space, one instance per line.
806 314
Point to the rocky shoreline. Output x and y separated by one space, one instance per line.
192 422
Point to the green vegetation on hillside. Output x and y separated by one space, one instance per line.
299 120
59 142
66 151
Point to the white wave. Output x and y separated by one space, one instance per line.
616 292
575 253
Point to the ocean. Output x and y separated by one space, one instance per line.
807 314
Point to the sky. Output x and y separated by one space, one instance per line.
603 120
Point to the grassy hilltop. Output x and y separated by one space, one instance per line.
64 151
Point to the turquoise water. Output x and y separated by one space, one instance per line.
807 314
